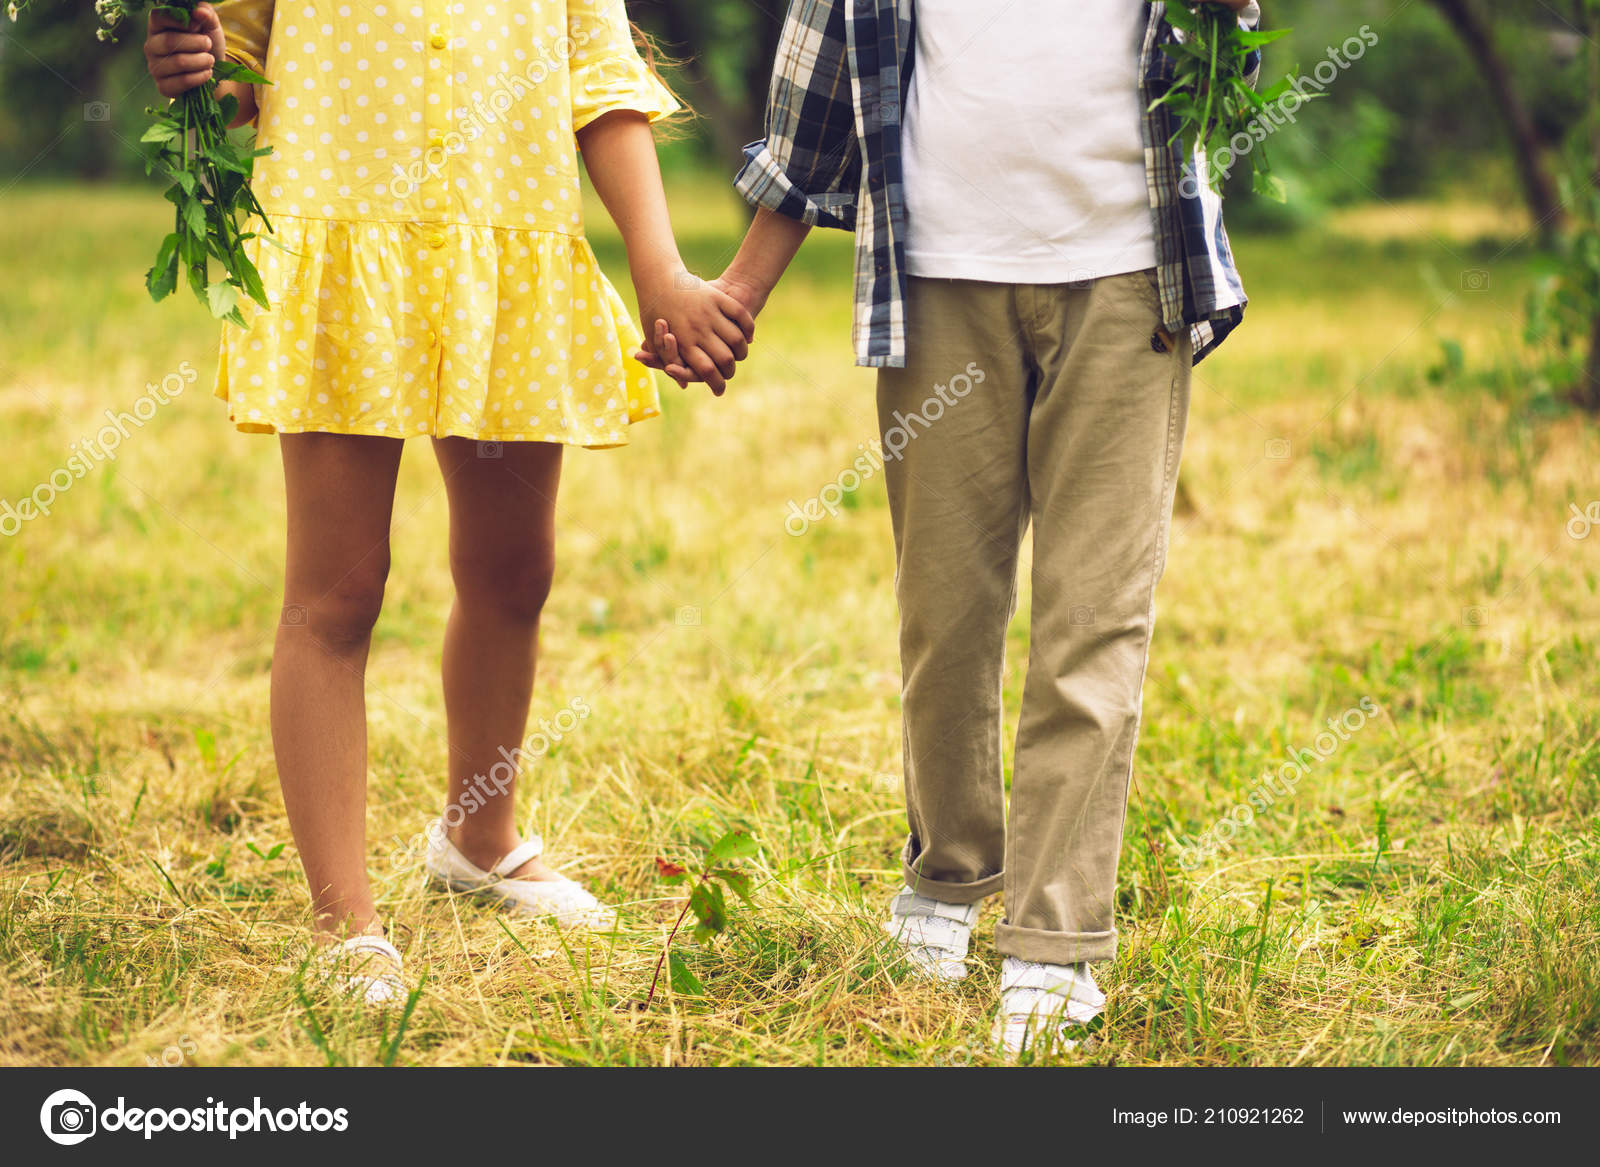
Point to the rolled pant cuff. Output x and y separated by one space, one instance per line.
1054 947
952 893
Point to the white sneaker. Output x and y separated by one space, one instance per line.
366 968
934 934
1045 1006
560 899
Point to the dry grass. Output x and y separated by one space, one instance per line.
1427 896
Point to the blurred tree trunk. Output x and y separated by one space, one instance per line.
1539 188
1588 13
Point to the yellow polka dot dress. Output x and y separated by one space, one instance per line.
428 270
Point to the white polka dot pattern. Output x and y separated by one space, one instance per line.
428 270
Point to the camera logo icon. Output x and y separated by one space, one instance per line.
1475 280
1082 615
68 1117
1278 449
96 111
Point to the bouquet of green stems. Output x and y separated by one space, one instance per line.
189 142
1210 97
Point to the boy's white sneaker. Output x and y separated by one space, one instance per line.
935 935
562 900
1045 1006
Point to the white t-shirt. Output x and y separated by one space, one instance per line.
1022 150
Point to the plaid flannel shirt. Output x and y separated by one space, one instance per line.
832 158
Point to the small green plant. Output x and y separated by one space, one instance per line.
210 194
707 900
1210 97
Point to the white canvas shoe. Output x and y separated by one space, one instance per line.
934 934
366 968
1045 1006
562 900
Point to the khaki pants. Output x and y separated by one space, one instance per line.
1019 403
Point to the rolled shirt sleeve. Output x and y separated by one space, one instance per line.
808 167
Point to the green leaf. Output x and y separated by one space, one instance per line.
233 71
162 279
682 977
197 279
223 298
1270 186
737 880
183 184
1255 39
245 272
194 216
710 908
736 844
162 131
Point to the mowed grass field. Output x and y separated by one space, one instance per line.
1375 504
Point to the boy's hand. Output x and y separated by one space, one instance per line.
180 56
662 351
711 330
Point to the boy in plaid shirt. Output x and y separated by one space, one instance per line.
1034 279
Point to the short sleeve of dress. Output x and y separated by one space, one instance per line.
247 25
607 71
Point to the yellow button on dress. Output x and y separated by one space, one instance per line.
428 270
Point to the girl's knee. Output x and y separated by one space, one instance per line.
342 616
512 584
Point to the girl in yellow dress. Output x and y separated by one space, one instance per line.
433 279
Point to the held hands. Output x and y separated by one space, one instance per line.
711 331
678 352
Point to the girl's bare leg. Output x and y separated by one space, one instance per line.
502 556
340 491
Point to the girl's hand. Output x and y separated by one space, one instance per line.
711 330
662 350
180 56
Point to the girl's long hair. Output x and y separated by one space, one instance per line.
674 125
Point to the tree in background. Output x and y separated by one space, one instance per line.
1473 25
64 99
1566 309
1586 241
723 52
